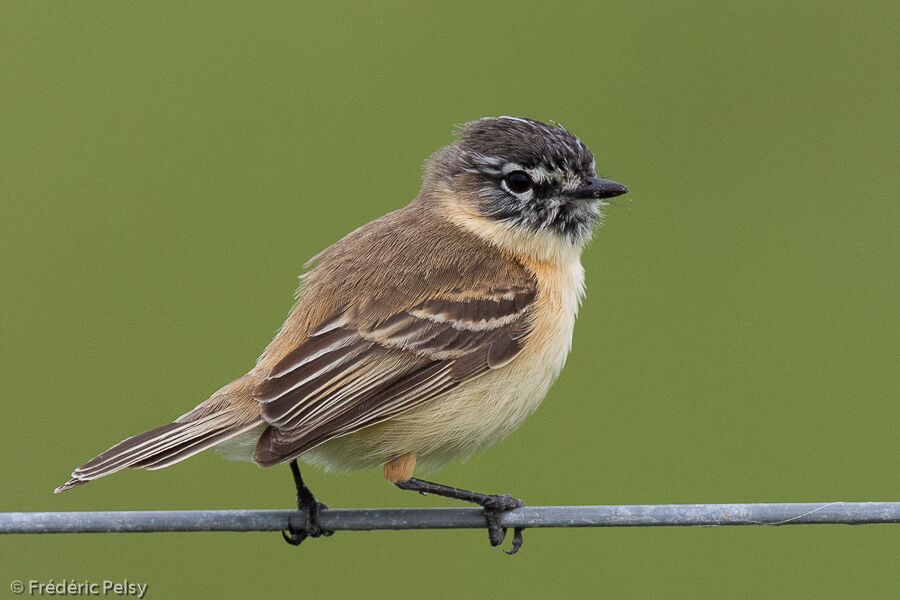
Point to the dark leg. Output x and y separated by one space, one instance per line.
309 508
493 505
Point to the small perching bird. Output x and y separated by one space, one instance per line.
425 335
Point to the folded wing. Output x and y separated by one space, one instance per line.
349 374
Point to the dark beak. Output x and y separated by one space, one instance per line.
596 187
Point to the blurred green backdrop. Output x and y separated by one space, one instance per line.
167 169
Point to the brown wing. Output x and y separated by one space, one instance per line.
347 375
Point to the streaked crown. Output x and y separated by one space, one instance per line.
525 173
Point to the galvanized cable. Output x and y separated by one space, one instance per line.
343 519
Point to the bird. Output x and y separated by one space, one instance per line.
423 336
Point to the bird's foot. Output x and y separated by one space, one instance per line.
310 510
307 525
494 507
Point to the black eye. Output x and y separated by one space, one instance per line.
518 182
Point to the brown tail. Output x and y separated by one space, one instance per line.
211 423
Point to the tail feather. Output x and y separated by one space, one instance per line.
161 447
187 449
137 448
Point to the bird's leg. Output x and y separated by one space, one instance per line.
494 506
309 509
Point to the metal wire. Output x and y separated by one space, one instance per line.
643 515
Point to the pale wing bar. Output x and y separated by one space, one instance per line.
347 376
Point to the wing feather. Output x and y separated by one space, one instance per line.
350 374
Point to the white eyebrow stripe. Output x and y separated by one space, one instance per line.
511 166
489 159
542 174
489 165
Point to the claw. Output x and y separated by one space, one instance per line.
309 508
494 507
517 541
496 534
296 536
311 528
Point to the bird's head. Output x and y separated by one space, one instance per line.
531 177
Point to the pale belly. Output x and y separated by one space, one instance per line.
477 413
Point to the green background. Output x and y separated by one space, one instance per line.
167 169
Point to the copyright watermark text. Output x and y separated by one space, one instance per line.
73 587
